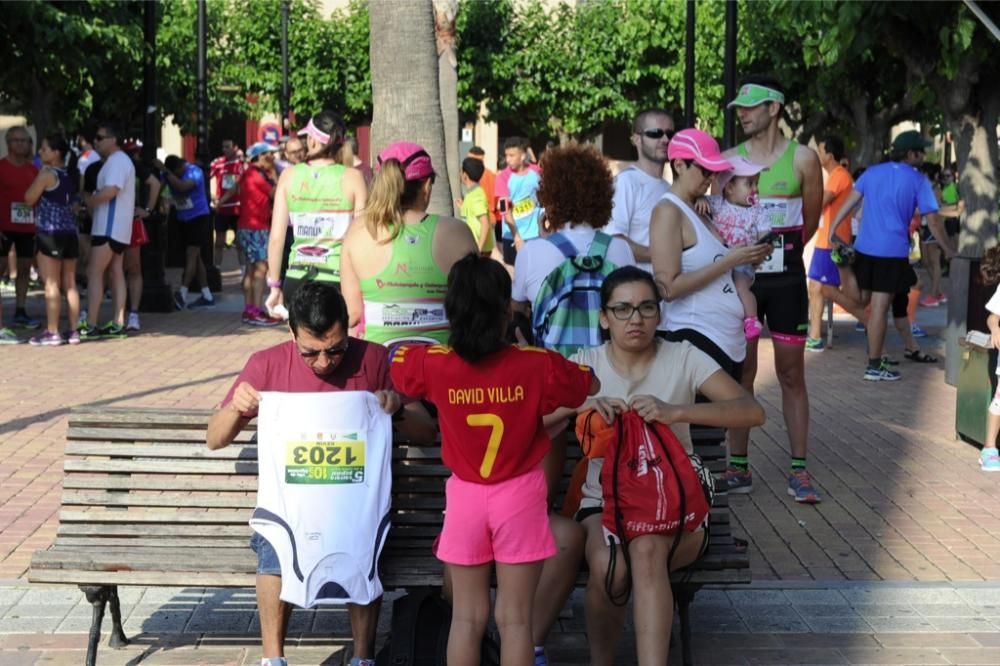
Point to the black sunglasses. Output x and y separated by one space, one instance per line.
331 352
658 133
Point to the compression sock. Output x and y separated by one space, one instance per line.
741 463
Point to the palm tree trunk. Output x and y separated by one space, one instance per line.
405 92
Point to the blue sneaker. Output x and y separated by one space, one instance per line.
738 480
540 659
917 331
358 661
800 487
881 373
989 460
859 327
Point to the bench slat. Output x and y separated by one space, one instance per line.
141 434
160 482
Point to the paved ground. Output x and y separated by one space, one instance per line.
904 541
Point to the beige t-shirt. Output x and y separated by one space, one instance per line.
674 377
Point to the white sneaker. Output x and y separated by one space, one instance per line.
280 311
133 322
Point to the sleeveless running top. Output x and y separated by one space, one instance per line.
55 214
323 493
714 310
405 301
781 199
319 215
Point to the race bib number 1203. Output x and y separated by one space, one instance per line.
340 461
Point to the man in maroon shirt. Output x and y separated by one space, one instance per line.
319 357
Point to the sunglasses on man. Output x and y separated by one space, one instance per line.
658 133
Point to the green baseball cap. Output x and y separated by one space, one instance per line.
752 94
910 140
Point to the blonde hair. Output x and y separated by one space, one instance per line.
390 195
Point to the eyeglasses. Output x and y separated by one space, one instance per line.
331 353
658 133
624 311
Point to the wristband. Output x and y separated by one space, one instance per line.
273 284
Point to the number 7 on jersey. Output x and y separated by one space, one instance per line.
495 423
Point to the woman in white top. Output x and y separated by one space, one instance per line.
659 380
692 265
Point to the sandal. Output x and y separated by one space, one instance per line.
919 356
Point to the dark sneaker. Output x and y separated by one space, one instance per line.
738 480
87 332
203 302
800 487
883 373
9 337
24 321
112 330
46 339
179 301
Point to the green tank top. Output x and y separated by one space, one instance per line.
781 198
405 301
319 214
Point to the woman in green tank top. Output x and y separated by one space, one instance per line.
394 267
316 200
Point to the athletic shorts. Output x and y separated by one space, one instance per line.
783 302
506 522
509 251
925 234
823 270
116 247
267 558
253 243
952 226
58 246
193 231
24 243
224 222
886 275
901 301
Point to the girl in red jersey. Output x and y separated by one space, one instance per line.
491 397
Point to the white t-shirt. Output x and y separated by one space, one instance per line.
114 218
636 194
323 493
539 257
677 371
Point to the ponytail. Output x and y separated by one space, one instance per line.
384 209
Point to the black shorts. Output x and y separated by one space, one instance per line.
289 240
85 223
783 301
732 368
116 247
952 226
886 275
901 301
509 251
193 231
58 246
24 244
225 222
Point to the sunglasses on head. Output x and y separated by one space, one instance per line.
658 133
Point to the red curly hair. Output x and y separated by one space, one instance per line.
577 186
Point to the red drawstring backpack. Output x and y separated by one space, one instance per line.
650 486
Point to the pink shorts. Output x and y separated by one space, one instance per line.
506 522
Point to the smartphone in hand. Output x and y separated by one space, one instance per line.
769 239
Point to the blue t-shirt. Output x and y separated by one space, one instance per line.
892 191
194 202
524 203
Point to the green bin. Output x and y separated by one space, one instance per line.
977 382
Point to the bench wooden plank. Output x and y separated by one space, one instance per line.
160 482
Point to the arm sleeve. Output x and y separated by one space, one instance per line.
253 373
698 367
479 205
620 213
502 191
861 183
407 370
118 175
926 201
382 380
566 384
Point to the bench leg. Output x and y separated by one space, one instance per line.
97 596
684 595
118 639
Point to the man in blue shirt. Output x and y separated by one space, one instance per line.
187 185
892 191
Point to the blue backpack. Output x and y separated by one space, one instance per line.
565 314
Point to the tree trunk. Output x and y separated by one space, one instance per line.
444 32
405 94
40 115
976 148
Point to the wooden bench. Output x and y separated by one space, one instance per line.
146 503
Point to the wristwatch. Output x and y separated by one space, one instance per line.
273 284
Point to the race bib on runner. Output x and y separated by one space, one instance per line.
340 460
775 262
776 212
183 203
228 181
321 226
21 213
523 208
409 315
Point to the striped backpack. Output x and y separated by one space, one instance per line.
565 313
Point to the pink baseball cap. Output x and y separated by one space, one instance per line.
693 144
414 159
741 167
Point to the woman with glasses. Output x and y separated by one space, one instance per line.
691 263
659 380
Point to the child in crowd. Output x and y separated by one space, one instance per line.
475 207
491 397
741 222
989 459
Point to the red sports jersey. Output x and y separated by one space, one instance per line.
226 175
490 412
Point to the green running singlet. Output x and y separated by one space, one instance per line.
781 199
405 301
320 215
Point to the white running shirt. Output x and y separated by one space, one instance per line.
323 493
